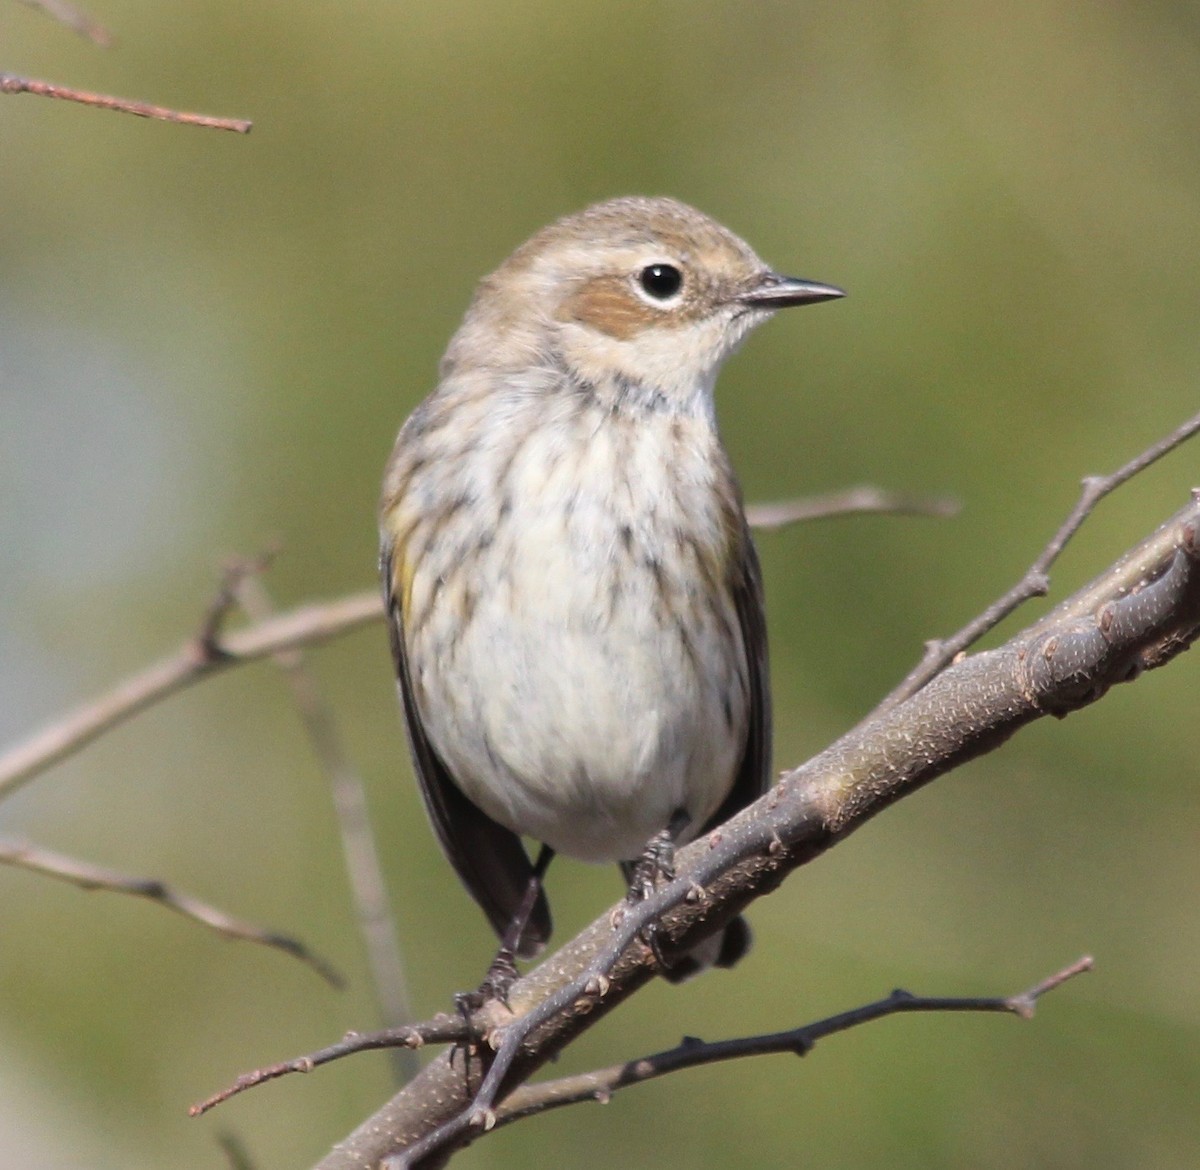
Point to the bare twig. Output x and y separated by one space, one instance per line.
87 876
442 1029
376 922
852 502
601 1084
10 83
1035 582
65 736
74 19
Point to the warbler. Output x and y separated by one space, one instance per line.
574 600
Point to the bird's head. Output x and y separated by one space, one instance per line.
649 291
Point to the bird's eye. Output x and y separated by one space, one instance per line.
661 281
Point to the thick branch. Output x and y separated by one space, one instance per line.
1139 614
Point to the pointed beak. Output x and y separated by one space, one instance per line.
772 291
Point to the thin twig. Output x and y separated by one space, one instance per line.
442 1029
68 734
87 876
10 83
483 1113
376 923
601 1084
1036 581
74 19
865 498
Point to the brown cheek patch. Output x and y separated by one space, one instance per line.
607 304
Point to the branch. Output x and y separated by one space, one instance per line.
1139 614
855 501
442 1029
10 83
601 1084
1036 581
201 656
87 876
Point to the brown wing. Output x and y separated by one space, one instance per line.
488 858
754 772
753 778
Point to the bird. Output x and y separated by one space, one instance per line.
574 602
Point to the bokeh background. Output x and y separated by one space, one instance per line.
207 344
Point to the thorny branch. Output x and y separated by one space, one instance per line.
87 876
1139 614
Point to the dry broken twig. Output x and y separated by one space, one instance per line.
11 83
87 876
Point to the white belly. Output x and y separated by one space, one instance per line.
579 692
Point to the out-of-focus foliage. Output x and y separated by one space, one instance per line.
207 342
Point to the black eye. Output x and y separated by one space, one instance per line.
661 281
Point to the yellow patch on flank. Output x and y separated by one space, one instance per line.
402 570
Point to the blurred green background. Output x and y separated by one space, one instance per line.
208 342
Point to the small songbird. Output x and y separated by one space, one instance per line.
574 601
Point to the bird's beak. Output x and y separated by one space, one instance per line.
772 291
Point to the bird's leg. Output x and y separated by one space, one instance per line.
502 973
657 861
